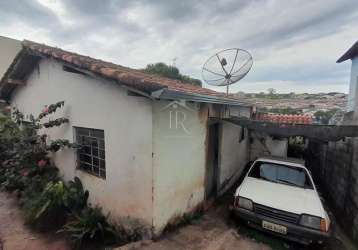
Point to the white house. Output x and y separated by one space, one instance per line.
352 54
153 148
8 50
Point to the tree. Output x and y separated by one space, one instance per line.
285 111
323 117
271 91
171 72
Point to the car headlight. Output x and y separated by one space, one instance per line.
313 222
244 203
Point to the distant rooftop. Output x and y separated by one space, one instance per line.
281 118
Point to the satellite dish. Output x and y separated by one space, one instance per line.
227 67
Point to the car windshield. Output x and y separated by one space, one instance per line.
280 173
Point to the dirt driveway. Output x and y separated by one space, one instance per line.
216 230
210 232
15 236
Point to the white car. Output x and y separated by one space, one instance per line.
278 196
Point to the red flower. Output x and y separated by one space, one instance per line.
45 110
41 163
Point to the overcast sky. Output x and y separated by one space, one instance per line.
294 43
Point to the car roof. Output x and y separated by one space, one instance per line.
294 162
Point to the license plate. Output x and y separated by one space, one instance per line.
274 227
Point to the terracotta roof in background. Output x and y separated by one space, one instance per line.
280 118
127 76
351 53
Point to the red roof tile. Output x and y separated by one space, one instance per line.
124 75
280 118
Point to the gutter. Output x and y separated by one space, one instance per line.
176 95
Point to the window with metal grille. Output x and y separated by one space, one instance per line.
91 153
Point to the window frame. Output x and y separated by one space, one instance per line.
101 151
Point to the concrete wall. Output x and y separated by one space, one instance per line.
179 155
127 124
261 144
8 50
335 168
352 96
180 162
233 154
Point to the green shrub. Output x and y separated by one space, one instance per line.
55 203
89 225
48 208
75 198
25 167
23 152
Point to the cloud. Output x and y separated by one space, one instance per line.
293 43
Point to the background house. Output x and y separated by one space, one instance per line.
153 148
8 50
352 54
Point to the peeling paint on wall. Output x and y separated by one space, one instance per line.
179 161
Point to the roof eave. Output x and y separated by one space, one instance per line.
343 58
18 71
350 53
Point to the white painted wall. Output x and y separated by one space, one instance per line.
277 147
265 145
8 50
233 154
352 96
178 161
126 121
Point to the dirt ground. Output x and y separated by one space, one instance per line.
215 230
210 232
14 235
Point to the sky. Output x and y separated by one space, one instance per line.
294 44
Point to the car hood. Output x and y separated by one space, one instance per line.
283 197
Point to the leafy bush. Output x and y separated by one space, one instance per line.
55 203
89 225
75 197
48 202
49 207
24 153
